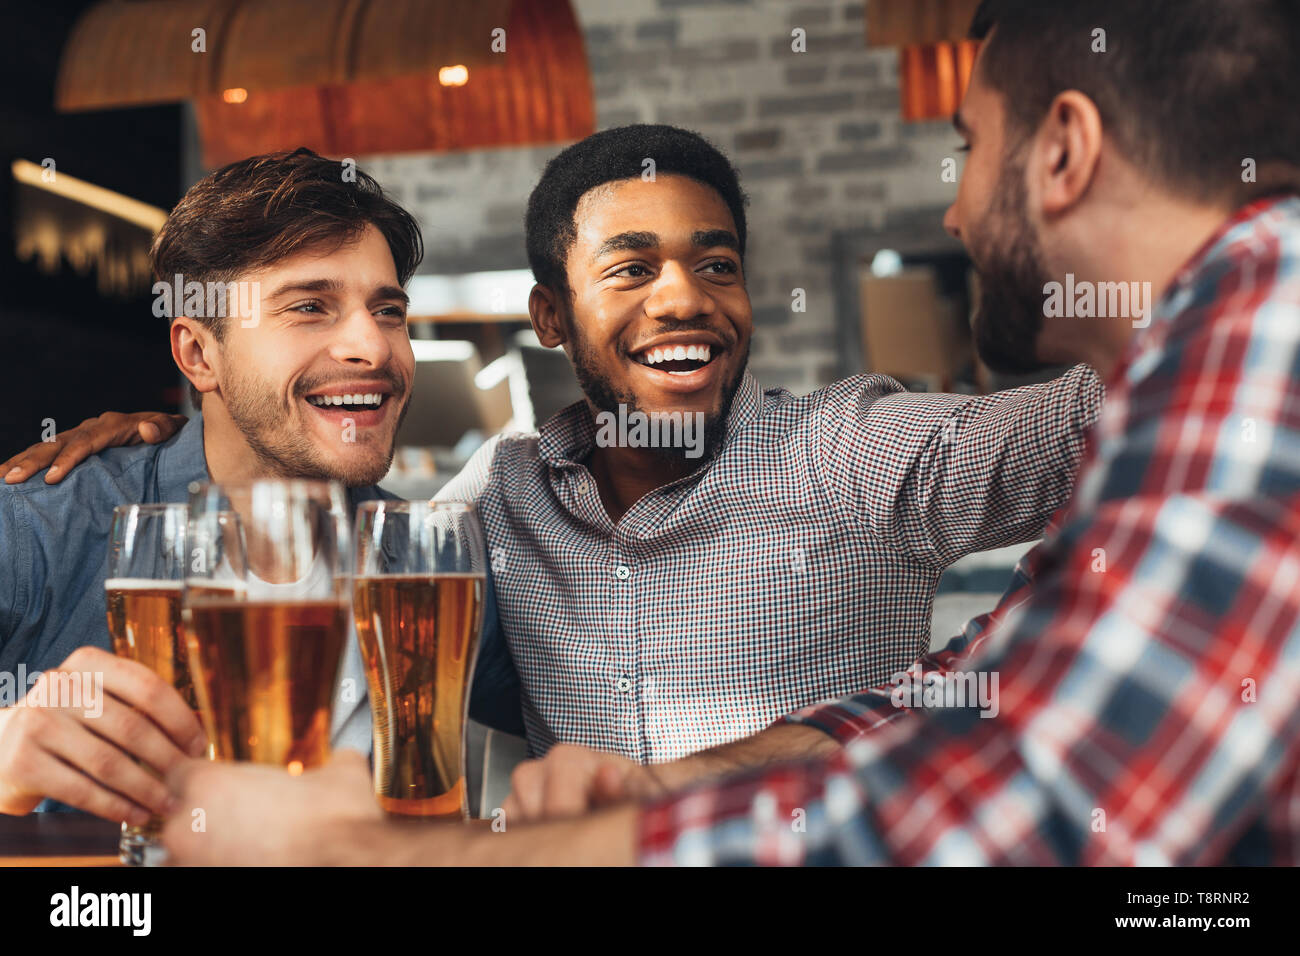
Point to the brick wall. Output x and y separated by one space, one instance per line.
817 137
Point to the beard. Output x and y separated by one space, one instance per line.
1009 260
285 452
604 397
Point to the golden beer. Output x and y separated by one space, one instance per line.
265 673
144 620
418 636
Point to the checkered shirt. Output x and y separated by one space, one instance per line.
1147 652
798 564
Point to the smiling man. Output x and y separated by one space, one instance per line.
309 380
656 601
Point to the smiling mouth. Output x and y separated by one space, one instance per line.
356 402
677 359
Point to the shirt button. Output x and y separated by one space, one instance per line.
582 486
622 572
623 685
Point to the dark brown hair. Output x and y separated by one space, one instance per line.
1188 89
261 210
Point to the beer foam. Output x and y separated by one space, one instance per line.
140 584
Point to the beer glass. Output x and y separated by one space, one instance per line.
418 600
266 603
146 562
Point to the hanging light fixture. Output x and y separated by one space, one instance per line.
344 77
935 57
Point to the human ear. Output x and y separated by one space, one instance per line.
1066 153
544 310
193 347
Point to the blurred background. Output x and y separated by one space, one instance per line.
837 114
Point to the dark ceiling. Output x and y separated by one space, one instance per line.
67 351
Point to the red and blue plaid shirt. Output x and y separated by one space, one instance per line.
1145 662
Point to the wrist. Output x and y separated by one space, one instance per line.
778 743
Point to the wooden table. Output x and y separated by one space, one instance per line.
75 839
58 839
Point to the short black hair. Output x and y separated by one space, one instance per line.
1188 89
608 156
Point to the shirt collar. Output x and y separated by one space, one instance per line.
182 461
569 435
1243 226
1195 283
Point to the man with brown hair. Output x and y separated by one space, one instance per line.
284 286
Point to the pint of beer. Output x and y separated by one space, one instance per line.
144 619
418 602
146 561
268 672
266 606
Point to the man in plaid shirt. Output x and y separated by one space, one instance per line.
1148 651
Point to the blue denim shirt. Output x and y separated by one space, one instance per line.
54 559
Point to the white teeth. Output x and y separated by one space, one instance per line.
371 398
676 353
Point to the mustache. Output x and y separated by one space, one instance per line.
386 376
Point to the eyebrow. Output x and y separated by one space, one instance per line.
334 287
626 241
702 239
716 237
